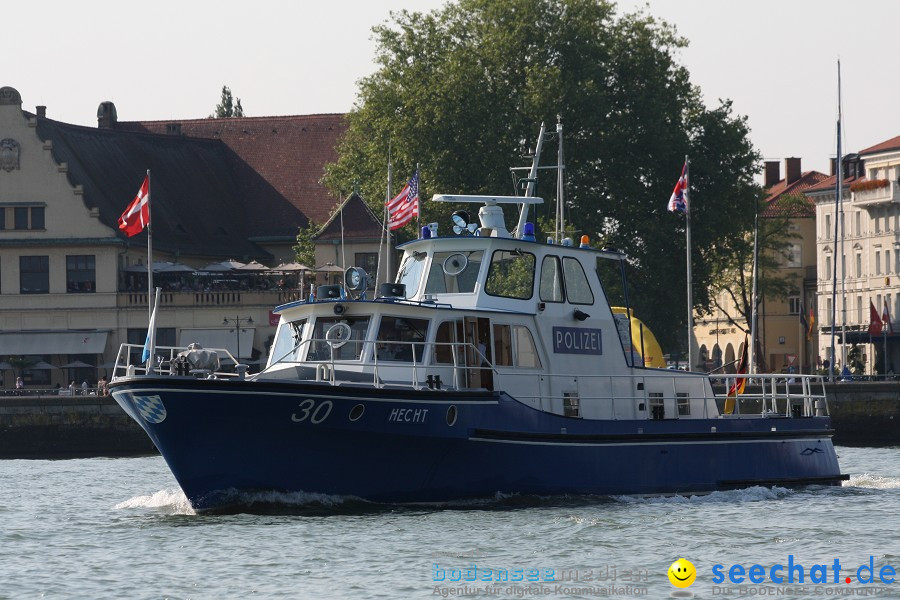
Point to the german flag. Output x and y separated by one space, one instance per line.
739 384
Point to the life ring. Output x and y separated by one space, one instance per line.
338 335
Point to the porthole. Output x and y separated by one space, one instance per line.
451 416
356 412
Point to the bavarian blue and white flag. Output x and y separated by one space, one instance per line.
150 342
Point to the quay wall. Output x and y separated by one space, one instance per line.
68 427
863 414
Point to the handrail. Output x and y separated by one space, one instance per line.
124 366
770 395
419 351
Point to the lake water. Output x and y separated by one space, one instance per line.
121 528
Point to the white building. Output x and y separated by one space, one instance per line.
865 251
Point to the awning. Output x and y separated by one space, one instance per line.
224 337
863 337
46 343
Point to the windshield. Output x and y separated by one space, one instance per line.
453 272
411 272
349 349
287 342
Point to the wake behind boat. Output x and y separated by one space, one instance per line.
493 363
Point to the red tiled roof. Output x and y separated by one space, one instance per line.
828 183
807 180
891 144
358 222
277 163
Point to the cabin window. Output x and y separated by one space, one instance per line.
514 347
444 341
453 272
287 342
401 339
684 404
578 290
511 274
410 272
657 407
503 350
351 350
551 280
526 354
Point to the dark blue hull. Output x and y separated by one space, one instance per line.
221 438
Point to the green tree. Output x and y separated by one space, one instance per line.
461 92
305 248
229 106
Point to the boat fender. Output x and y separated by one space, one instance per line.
820 407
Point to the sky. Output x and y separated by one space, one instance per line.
775 59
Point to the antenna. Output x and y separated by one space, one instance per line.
560 178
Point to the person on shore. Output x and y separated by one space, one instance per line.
103 387
20 385
84 387
72 388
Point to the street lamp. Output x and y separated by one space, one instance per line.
237 331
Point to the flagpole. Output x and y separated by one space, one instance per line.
690 296
419 202
387 229
753 302
149 248
838 194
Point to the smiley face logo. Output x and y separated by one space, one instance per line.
682 573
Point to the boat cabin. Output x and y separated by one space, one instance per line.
487 310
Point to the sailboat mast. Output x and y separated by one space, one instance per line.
839 178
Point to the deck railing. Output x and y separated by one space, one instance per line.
765 395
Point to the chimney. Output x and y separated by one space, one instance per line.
106 115
791 170
773 173
173 128
41 111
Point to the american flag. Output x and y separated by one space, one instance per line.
405 205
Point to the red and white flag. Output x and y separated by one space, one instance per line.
405 205
137 216
678 200
875 323
886 320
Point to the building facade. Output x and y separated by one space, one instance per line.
783 340
73 287
860 250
